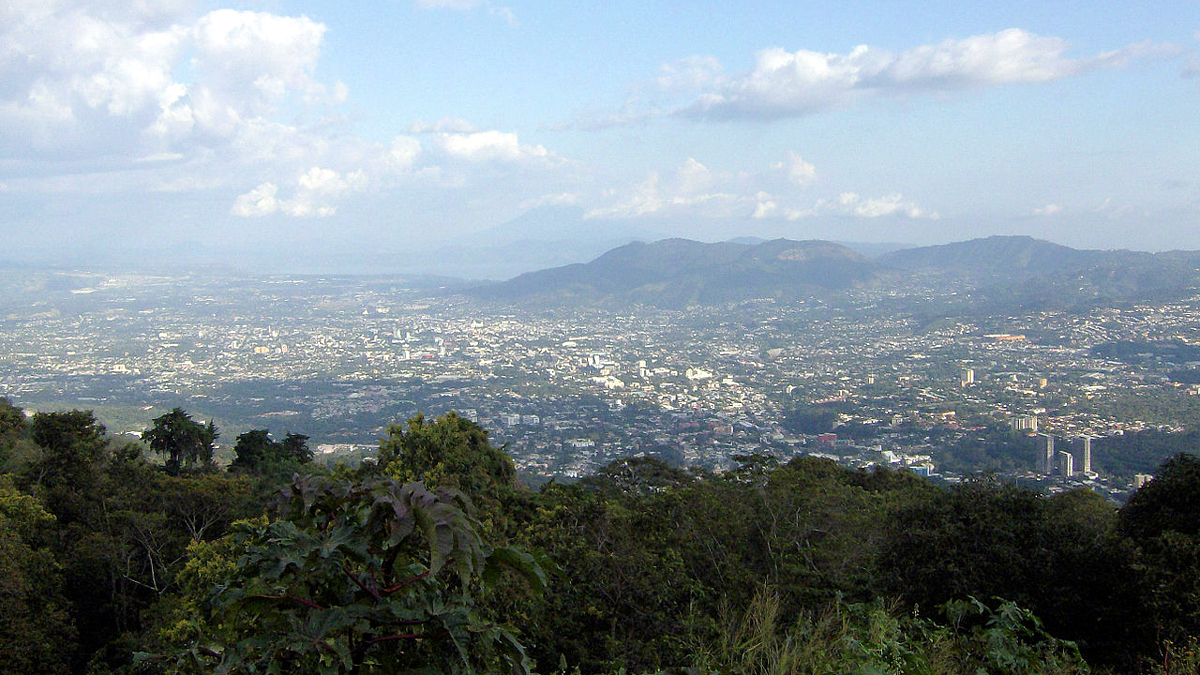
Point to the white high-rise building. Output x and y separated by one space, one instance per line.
1045 454
1024 423
1066 464
1083 453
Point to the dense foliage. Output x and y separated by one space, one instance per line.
368 576
435 558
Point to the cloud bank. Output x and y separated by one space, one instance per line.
781 193
786 84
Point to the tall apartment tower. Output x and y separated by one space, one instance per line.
1083 453
1024 423
1045 454
1066 464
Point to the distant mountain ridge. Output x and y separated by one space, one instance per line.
998 256
1031 272
682 272
1014 270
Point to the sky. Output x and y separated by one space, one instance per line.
267 132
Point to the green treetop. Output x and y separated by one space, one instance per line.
182 440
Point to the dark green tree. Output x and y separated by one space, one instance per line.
988 539
355 577
61 432
65 473
124 559
1169 503
454 452
295 448
183 441
35 627
1163 519
12 418
255 452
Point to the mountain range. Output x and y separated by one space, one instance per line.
1006 270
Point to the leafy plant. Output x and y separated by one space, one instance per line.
357 577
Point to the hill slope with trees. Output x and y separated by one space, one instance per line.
434 557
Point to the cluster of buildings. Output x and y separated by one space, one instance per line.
568 389
1067 461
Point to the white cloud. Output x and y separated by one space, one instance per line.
694 190
875 207
1048 210
847 204
690 190
68 75
694 177
1114 210
689 74
403 153
765 206
258 202
798 171
485 146
148 96
258 57
85 80
643 200
786 84
320 181
313 195
559 199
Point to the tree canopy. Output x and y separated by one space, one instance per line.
181 440
424 561
256 452
372 576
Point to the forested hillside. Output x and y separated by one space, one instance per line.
435 558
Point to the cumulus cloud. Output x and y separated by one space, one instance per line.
798 171
1048 210
65 73
487 146
787 84
313 195
133 80
243 53
849 203
403 153
694 190
221 100
447 160
846 204
691 189
258 202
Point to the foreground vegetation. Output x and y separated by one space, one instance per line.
435 558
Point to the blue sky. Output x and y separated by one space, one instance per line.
146 129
